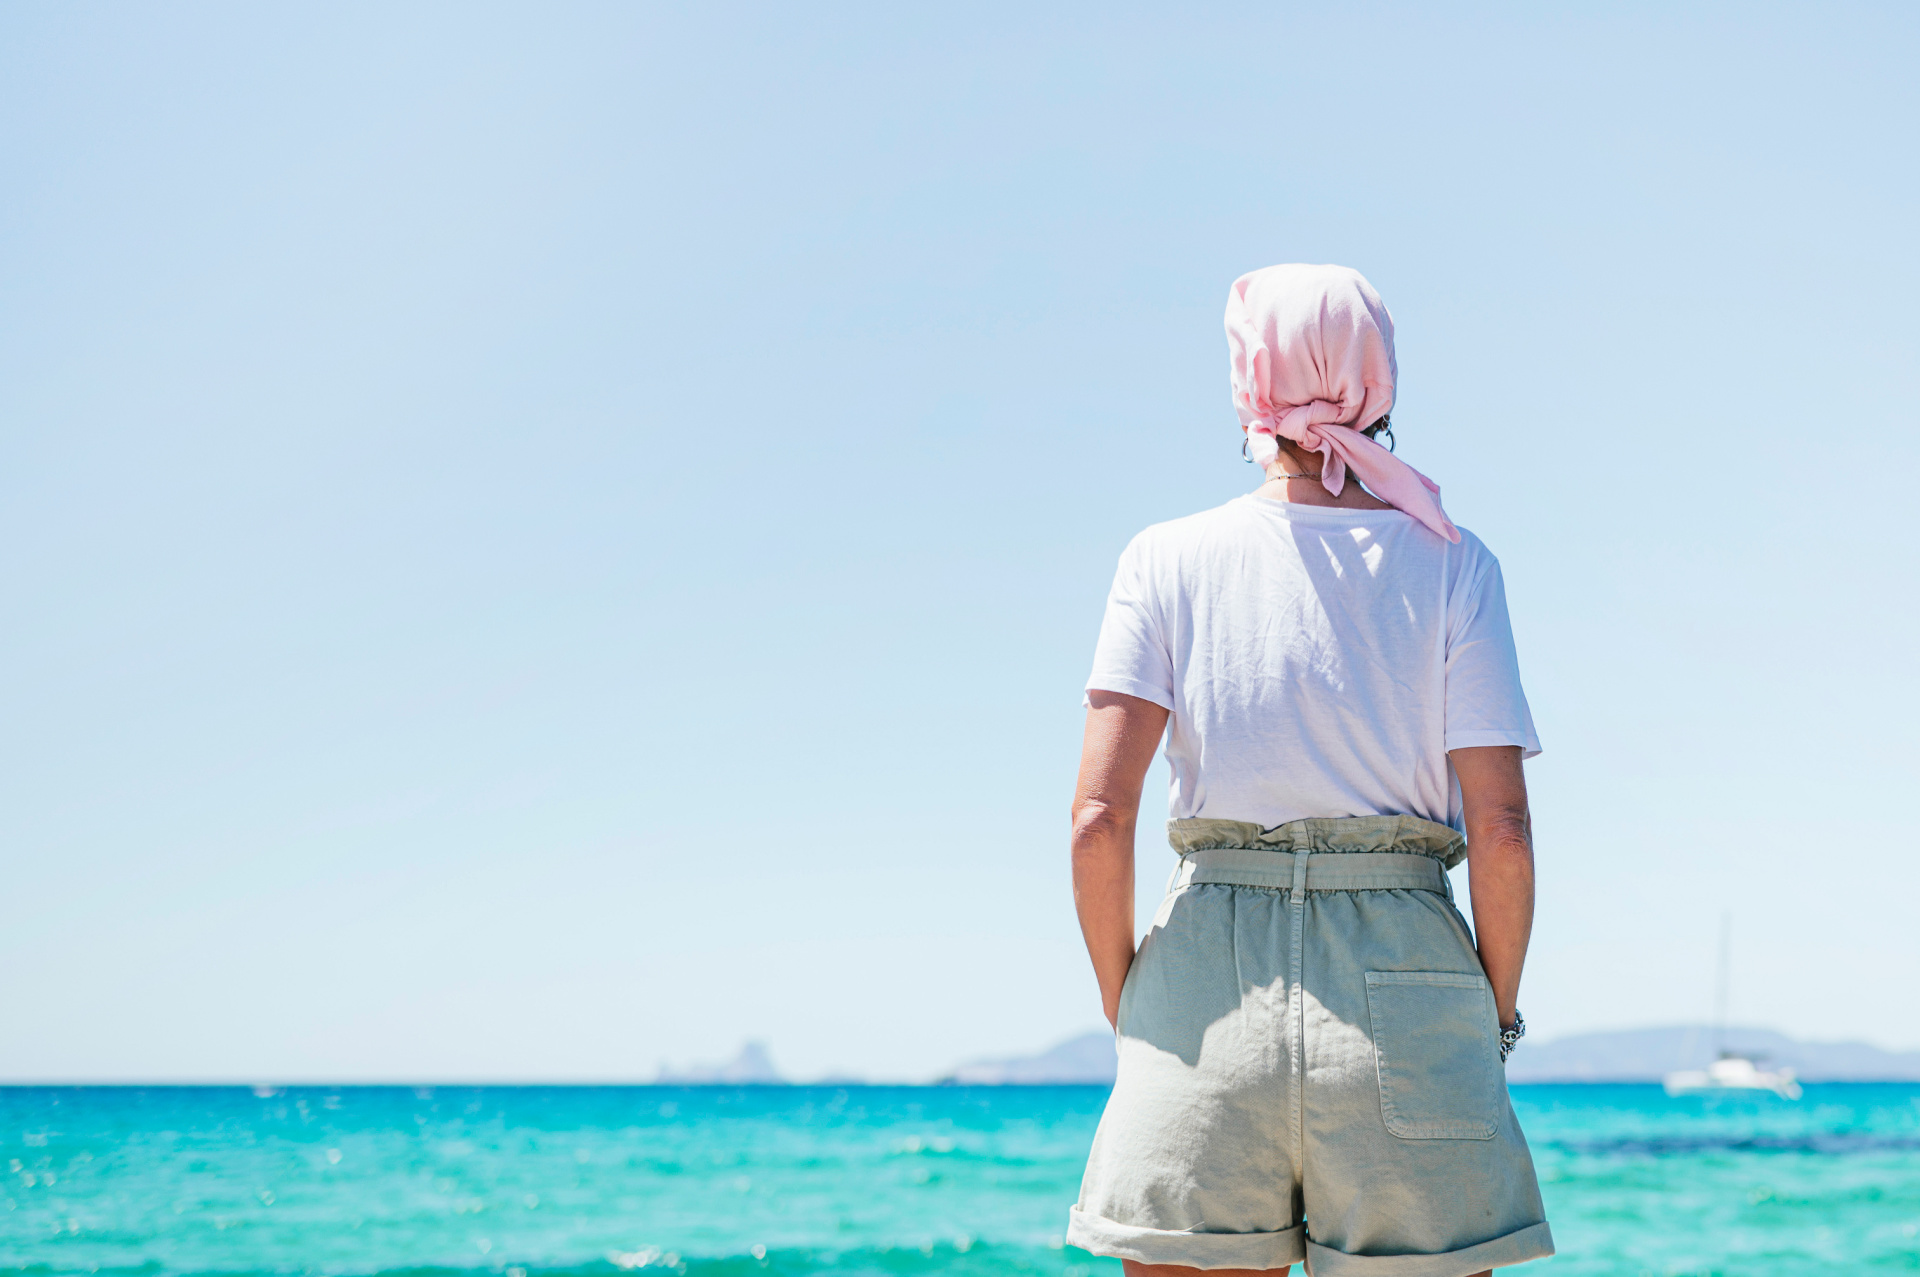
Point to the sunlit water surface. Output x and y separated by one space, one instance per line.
771 1181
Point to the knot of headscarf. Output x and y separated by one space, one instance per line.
1312 355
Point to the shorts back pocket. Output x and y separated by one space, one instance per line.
1436 1047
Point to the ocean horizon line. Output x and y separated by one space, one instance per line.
273 1090
1619 1056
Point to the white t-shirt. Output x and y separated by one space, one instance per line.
1318 662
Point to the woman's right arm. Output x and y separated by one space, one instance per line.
1122 734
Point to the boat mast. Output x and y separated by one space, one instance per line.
1720 986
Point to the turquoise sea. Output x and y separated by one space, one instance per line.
784 1181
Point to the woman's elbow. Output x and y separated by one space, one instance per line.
1096 823
1506 836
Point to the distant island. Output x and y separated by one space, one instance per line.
753 1066
1630 1055
1645 1055
1086 1060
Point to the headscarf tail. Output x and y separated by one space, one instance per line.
1311 350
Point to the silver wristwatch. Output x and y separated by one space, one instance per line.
1510 1038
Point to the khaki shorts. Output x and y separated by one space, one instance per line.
1310 1066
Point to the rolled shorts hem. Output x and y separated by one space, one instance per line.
1533 1242
1101 1236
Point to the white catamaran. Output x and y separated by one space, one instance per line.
1731 1071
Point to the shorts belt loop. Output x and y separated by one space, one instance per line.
1296 1006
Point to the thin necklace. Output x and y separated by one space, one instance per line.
1284 475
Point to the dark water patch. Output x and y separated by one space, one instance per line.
977 1259
952 1259
1823 1143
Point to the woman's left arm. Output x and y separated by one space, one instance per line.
1122 734
1493 790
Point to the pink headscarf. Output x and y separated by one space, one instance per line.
1312 350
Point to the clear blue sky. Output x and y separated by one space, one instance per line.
541 540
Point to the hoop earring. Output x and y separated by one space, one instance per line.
1245 455
1386 428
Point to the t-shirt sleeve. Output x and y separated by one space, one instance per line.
1132 656
1485 703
